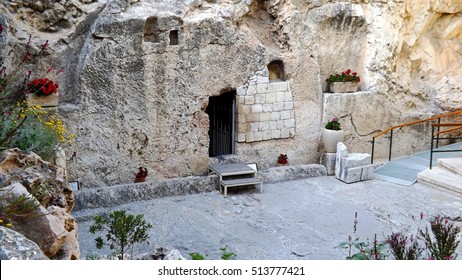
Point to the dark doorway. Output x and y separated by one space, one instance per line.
222 111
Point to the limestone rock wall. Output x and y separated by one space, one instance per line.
139 74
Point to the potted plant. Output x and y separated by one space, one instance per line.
141 175
331 135
282 159
347 81
43 92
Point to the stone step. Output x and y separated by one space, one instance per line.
441 178
453 164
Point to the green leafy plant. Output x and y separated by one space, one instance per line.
225 254
196 256
346 76
22 206
28 127
122 231
363 250
333 124
441 240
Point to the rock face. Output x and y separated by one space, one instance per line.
140 76
15 246
49 224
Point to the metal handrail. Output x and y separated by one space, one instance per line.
436 136
390 129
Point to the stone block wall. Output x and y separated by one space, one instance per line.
265 110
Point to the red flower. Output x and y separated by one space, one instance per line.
348 71
42 87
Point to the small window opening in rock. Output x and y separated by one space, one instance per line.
276 70
151 30
174 37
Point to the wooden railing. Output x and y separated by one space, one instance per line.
390 130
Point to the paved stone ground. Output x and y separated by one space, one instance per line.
302 219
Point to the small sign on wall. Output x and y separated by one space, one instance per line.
75 186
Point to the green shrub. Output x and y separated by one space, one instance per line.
122 231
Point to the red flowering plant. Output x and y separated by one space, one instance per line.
27 127
346 76
42 87
282 159
142 173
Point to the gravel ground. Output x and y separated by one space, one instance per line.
293 220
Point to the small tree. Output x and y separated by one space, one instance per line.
122 231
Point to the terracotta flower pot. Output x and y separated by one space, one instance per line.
140 179
330 138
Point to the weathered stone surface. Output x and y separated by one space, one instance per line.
39 226
50 225
291 172
116 195
132 101
15 246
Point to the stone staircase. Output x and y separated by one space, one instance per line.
446 175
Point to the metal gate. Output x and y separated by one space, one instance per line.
221 111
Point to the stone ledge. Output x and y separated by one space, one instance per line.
292 172
122 194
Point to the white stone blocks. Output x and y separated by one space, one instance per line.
262 80
265 110
258 136
249 100
353 167
278 106
260 98
256 108
265 117
275 116
267 135
262 88
286 115
278 86
328 160
240 91
288 105
285 133
251 89
289 123
280 96
275 134
271 97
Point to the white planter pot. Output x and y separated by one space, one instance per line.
330 138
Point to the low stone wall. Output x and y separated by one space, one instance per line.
292 172
121 194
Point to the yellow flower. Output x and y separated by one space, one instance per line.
1 221
9 225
